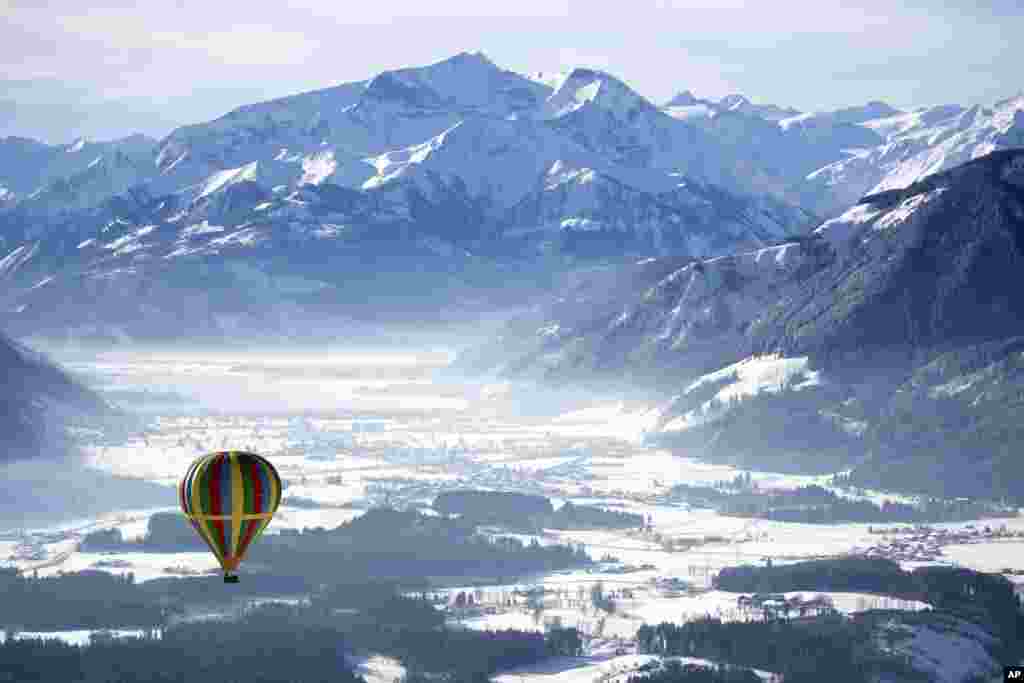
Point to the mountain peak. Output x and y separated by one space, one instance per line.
471 62
600 89
390 86
1012 102
684 99
875 109
741 104
467 79
582 72
733 101
467 57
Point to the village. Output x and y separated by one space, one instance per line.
924 543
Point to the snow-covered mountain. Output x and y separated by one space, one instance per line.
825 161
450 166
84 172
915 144
607 118
328 135
857 282
686 104
740 103
889 337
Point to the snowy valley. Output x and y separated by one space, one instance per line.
562 384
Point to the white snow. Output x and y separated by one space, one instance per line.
229 176
203 228
582 224
850 603
145 566
80 637
757 373
603 666
318 167
120 242
561 173
246 237
906 209
494 159
129 242
993 556
753 375
586 86
918 144
613 419
839 231
690 112
377 669
573 669
17 257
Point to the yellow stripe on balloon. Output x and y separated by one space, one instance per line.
197 504
237 503
255 515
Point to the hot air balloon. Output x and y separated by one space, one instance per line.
230 497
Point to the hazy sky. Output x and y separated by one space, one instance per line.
110 67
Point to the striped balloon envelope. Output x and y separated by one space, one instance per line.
230 497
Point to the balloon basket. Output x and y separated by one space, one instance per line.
230 578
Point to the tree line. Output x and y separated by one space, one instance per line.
280 643
530 512
240 652
835 647
814 504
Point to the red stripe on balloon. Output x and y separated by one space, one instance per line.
257 489
214 478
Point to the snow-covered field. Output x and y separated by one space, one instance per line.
649 607
378 669
993 556
603 667
80 637
145 566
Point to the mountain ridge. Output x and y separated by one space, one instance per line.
887 340
459 165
